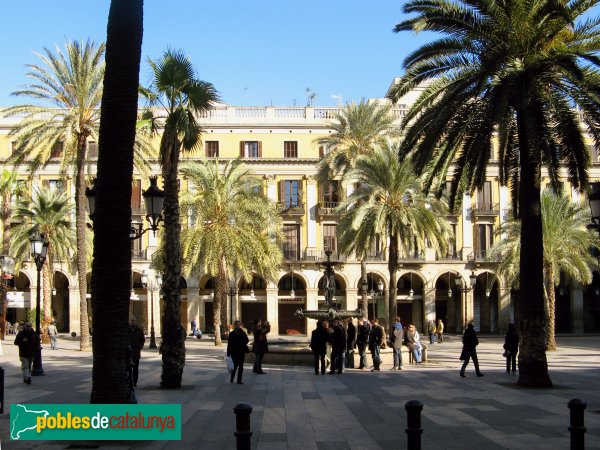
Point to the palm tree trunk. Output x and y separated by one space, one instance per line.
220 299
393 269
172 346
5 219
80 212
364 295
46 299
533 366
550 308
111 270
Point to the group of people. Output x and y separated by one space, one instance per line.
435 330
334 344
469 350
237 347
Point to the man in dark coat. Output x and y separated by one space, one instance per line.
28 342
260 345
511 347
375 341
237 347
338 347
362 341
136 343
318 345
350 344
469 350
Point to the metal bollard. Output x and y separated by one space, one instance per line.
413 423
577 429
1 390
242 425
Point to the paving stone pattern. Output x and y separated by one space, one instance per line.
295 409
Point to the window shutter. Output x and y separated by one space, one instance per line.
260 149
280 190
321 151
241 149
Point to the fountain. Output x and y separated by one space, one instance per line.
329 312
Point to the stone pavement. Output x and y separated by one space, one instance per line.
294 409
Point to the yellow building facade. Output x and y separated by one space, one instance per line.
279 144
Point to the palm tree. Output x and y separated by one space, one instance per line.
9 186
234 229
357 129
67 89
111 269
389 201
567 242
49 212
509 72
180 95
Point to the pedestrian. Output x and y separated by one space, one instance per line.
469 350
53 333
237 347
194 327
413 341
329 333
375 341
431 331
338 348
29 343
440 331
511 348
260 345
350 344
397 341
318 345
362 341
136 343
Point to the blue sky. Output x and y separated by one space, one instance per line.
259 52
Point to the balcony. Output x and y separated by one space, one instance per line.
377 255
486 209
138 254
412 257
479 256
291 208
456 255
328 209
319 255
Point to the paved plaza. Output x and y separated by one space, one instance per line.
294 409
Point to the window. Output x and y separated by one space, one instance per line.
92 149
290 149
330 193
289 193
250 149
53 185
484 196
452 241
136 197
291 242
57 149
211 149
136 244
484 238
329 238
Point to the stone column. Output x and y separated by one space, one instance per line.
273 311
576 302
429 303
74 310
193 307
503 308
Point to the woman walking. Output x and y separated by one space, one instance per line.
511 348
469 350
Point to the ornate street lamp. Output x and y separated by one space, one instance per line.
232 292
7 269
154 199
39 250
151 286
466 288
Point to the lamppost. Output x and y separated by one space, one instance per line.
151 286
464 288
7 269
154 198
232 292
39 250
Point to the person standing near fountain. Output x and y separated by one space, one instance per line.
260 345
362 341
350 344
375 341
318 345
338 348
